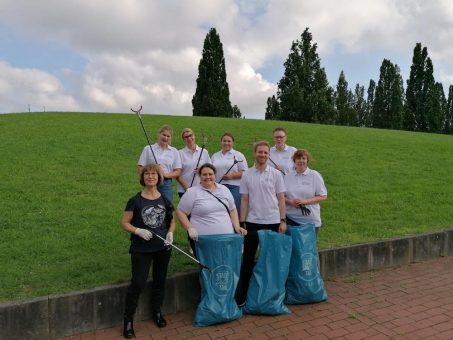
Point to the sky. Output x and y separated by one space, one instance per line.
111 55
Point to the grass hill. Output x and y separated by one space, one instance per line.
66 177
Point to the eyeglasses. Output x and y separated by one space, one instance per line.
279 137
187 136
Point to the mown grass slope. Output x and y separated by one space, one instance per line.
65 179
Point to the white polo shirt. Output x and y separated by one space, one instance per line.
189 161
167 158
223 162
262 188
305 185
207 215
283 158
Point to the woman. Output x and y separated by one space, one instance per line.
304 190
166 156
191 157
211 207
230 165
147 215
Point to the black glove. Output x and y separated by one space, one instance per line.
305 211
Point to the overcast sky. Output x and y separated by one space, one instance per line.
109 55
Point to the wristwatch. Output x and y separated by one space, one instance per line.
283 220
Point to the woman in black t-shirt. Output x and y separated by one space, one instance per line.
148 214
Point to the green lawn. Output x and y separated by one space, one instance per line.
66 177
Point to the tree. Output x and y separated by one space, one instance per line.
423 111
413 114
212 95
360 105
448 120
236 112
303 92
370 103
272 109
345 114
388 101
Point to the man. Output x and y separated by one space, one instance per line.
280 155
262 207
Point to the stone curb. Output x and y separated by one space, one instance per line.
54 316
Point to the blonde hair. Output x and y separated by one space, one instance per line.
166 128
185 130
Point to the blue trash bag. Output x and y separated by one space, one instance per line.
304 284
266 291
222 254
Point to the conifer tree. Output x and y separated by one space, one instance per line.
212 95
303 92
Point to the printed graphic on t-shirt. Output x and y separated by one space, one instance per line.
153 216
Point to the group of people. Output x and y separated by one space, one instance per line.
218 195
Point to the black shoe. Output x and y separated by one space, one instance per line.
128 330
158 318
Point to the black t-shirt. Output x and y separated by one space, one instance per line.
153 215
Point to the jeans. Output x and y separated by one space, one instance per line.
251 241
166 189
234 189
141 264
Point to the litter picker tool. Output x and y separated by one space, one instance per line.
205 140
235 161
304 210
275 164
144 130
203 266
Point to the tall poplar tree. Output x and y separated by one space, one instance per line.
345 114
370 103
388 101
359 105
423 111
212 95
272 109
448 120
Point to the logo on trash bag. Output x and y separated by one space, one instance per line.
308 267
222 279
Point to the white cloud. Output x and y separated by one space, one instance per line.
22 87
147 52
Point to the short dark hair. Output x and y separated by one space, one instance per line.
279 129
206 165
227 134
151 167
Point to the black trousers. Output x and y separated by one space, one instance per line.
251 242
141 264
